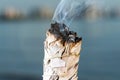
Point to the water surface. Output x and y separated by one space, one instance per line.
21 48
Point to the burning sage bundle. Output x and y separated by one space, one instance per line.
62 46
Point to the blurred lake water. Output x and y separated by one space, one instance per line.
22 49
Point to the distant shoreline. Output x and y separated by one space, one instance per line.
92 12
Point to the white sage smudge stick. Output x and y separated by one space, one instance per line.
62 46
62 52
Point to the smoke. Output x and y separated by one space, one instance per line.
67 10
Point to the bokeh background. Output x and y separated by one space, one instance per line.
23 24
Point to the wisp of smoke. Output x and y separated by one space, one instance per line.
67 10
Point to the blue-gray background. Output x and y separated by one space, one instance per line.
21 45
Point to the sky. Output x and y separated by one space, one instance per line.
27 4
